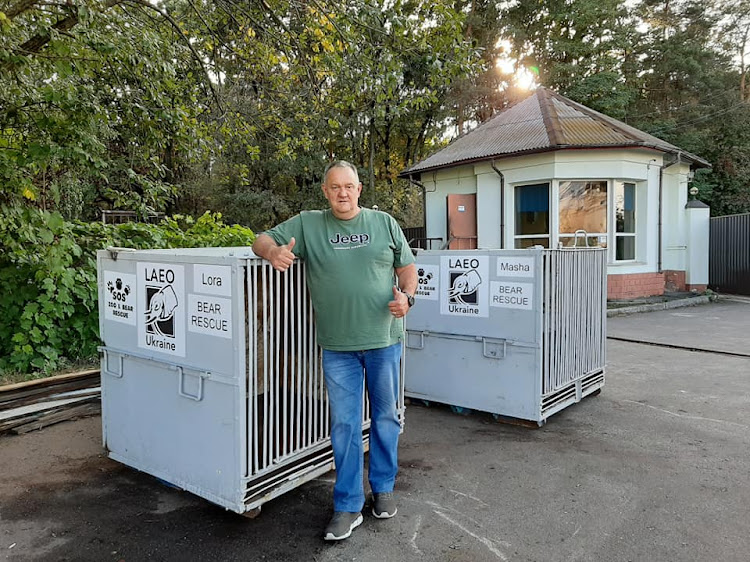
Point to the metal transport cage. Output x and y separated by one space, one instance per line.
211 375
519 333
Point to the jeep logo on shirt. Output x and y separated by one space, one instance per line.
351 241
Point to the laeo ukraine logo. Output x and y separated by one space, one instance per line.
347 242
162 303
463 281
161 307
463 294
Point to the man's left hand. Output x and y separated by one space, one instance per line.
399 306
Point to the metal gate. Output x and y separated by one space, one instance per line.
575 320
287 404
729 254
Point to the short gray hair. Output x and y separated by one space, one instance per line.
340 164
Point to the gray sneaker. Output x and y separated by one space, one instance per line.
341 526
384 505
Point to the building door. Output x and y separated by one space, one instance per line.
462 221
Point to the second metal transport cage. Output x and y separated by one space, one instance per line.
519 333
211 375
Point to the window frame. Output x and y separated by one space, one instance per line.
548 235
635 234
600 236
606 239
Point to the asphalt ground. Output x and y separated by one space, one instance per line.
722 326
655 468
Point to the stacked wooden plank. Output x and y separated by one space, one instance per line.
36 404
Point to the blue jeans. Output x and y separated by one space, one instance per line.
345 375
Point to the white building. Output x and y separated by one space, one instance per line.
547 169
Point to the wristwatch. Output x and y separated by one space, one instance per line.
409 298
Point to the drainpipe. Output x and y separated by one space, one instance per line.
502 204
658 212
658 259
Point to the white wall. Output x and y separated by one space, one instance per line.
674 217
488 209
647 219
534 168
698 228
437 187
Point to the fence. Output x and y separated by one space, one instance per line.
417 238
729 254
287 407
120 217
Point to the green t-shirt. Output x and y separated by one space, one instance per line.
350 273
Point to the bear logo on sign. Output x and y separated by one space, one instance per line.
118 290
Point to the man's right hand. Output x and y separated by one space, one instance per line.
282 257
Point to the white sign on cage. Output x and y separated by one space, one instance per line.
161 307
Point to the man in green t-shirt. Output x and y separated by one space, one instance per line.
351 256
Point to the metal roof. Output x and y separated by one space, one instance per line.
542 122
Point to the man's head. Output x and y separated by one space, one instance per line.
341 187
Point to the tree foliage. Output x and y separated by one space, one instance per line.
674 68
237 106
304 83
97 107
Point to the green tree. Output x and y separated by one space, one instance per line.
584 49
305 83
90 116
692 94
